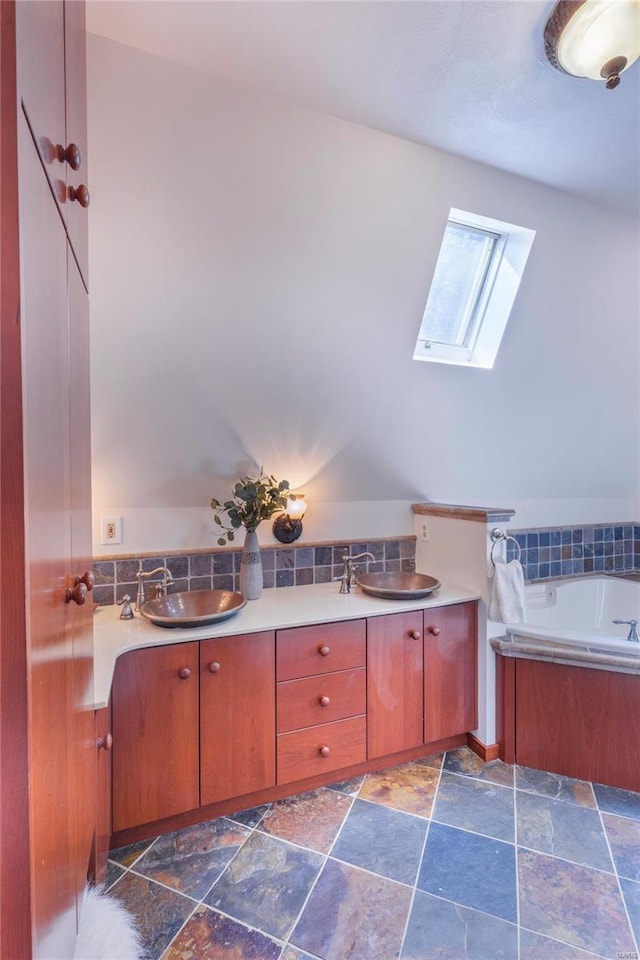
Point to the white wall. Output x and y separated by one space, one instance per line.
258 275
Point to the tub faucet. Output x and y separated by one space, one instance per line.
633 629
161 588
348 570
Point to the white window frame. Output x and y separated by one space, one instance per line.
494 299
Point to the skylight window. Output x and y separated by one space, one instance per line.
474 286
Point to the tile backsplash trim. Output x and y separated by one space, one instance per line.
220 569
551 552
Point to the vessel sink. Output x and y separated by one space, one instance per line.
193 608
397 586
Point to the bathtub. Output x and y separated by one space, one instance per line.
579 612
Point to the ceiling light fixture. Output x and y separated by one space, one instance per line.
598 39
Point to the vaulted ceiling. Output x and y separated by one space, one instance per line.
466 76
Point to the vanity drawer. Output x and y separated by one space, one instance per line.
321 699
320 749
325 648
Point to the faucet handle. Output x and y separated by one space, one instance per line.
126 613
633 629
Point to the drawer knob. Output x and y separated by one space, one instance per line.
325 701
214 666
106 742
324 751
434 631
80 194
185 673
324 651
415 635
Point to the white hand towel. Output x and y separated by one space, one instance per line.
506 604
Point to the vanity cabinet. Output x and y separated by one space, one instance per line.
321 697
237 716
155 734
290 707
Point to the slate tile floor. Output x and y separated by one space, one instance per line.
442 858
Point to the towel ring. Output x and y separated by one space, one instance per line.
499 536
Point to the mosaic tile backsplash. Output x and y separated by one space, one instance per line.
575 551
220 569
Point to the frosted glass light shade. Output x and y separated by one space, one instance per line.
598 39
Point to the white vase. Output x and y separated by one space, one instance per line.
251 567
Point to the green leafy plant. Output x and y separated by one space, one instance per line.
252 501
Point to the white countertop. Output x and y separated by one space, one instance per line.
276 609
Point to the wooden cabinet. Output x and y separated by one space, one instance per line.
575 721
45 508
155 734
104 826
52 85
279 709
321 695
421 677
450 659
394 683
237 716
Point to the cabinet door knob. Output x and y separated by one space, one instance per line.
325 701
70 155
185 673
81 194
87 578
415 635
106 742
324 651
324 751
214 666
434 631
78 594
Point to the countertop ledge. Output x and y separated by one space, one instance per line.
276 609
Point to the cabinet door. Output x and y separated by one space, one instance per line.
52 768
394 683
104 742
76 128
237 716
155 734
80 617
41 84
450 660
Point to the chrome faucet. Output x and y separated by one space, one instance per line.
161 588
633 629
348 571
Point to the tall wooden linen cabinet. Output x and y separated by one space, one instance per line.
47 724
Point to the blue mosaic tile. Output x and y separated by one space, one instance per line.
607 533
555 538
544 538
566 536
284 578
304 557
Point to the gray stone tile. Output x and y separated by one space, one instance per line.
624 839
438 928
624 803
382 840
562 829
266 884
485 808
556 786
471 870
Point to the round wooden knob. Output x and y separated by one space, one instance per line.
434 631
325 701
80 194
87 578
70 155
106 742
78 594
324 751
324 651
214 666
415 635
185 673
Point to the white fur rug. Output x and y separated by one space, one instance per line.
107 931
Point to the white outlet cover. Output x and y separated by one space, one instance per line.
111 530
